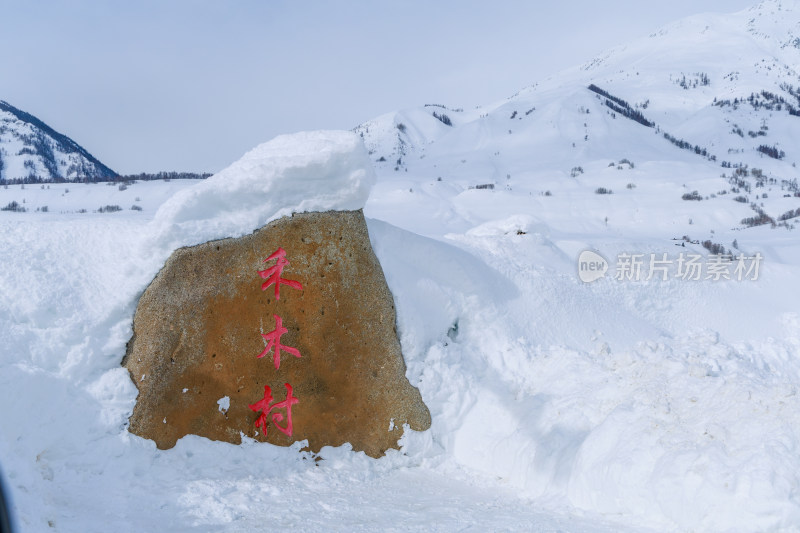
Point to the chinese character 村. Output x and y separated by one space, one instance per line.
273 339
266 407
273 274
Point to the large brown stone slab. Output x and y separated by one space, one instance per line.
198 330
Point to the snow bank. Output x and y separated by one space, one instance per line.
308 171
674 429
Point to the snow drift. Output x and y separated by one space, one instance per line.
309 171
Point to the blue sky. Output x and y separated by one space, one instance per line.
193 84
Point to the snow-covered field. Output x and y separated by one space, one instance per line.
556 405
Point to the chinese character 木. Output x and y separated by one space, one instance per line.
273 339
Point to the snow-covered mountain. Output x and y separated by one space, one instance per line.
716 95
31 151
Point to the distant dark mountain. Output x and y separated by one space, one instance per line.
33 152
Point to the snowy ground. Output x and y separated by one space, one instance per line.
556 405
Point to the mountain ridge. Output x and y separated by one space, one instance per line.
33 152
679 95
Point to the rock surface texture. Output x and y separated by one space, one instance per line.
200 325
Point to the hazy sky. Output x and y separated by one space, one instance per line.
191 85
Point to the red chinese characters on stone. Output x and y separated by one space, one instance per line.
266 407
273 339
273 273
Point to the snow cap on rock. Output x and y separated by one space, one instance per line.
301 172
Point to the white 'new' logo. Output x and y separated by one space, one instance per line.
591 266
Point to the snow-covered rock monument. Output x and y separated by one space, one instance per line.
284 334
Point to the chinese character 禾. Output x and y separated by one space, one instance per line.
273 274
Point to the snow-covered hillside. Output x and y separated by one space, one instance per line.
31 151
710 104
661 401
